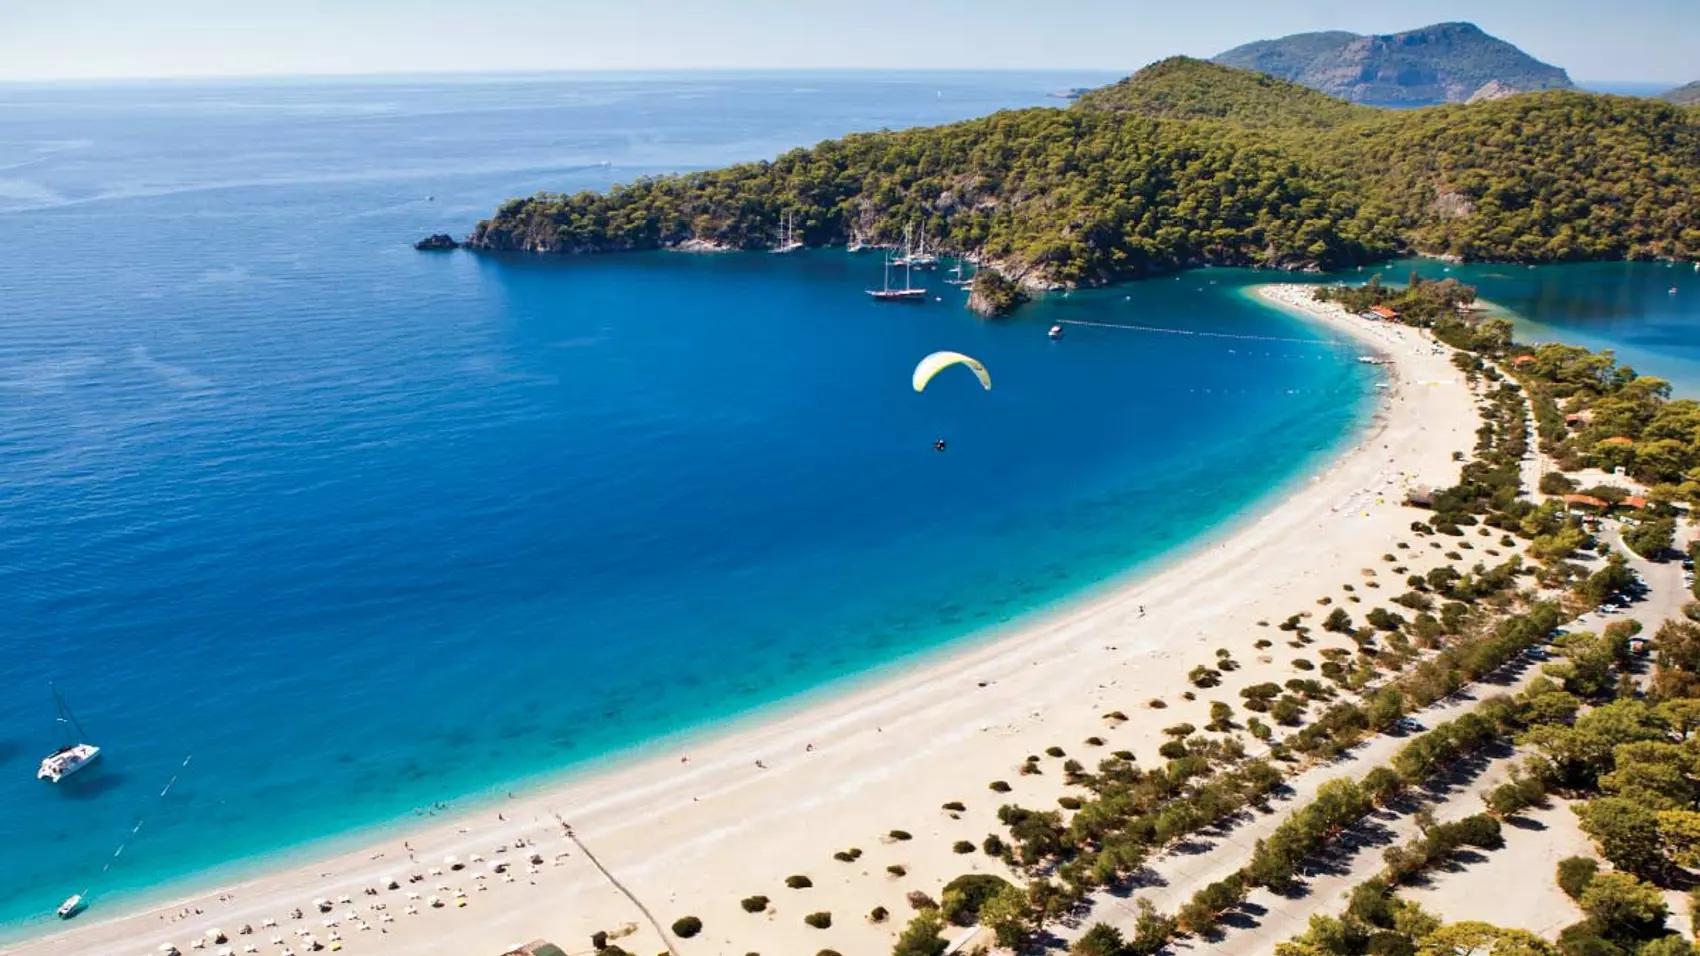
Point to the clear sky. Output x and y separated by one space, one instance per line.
1651 40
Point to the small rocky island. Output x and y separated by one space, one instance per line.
439 242
992 294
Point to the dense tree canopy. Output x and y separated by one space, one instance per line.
1189 163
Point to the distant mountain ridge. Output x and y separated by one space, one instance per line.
1687 95
1443 63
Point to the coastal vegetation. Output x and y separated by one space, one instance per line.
1188 163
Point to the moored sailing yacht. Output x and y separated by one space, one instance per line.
916 256
787 237
909 292
74 755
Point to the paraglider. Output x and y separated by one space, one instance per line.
939 361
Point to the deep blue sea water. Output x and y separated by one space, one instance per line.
362 528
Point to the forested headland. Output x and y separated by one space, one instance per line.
1185 164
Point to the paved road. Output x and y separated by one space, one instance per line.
1269 918
1173 877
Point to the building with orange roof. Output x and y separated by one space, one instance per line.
1383 312
1522 360
1586 502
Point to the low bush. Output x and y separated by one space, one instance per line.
754 904
799 882
999 786
821 920
1575 873
900 835
878 914
687 926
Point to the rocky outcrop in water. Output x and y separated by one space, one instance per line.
993 295
439 242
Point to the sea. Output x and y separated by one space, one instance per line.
316 533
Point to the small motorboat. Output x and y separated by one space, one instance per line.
72 906
1056 331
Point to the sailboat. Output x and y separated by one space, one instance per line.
961 278
74 755
916 257
921 258
909 292
787 238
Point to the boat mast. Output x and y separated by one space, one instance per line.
65 715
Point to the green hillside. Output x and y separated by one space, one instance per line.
1184 88
1188 163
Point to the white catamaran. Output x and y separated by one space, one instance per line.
76 753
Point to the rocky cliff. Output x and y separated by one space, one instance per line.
1444 63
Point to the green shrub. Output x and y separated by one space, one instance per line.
878 914
754 904
848 856
1054 751
1575 873
964 896
898 870
687 926
900 835
999 786
955 806
820 920
962 846
799 882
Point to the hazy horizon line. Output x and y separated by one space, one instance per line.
498 74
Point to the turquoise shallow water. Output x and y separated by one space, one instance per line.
362 528
1627 307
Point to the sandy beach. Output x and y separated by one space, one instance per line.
692 833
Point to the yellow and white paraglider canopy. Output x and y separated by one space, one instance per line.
939 361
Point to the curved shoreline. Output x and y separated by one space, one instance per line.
692 837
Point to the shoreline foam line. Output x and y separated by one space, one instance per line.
730 814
